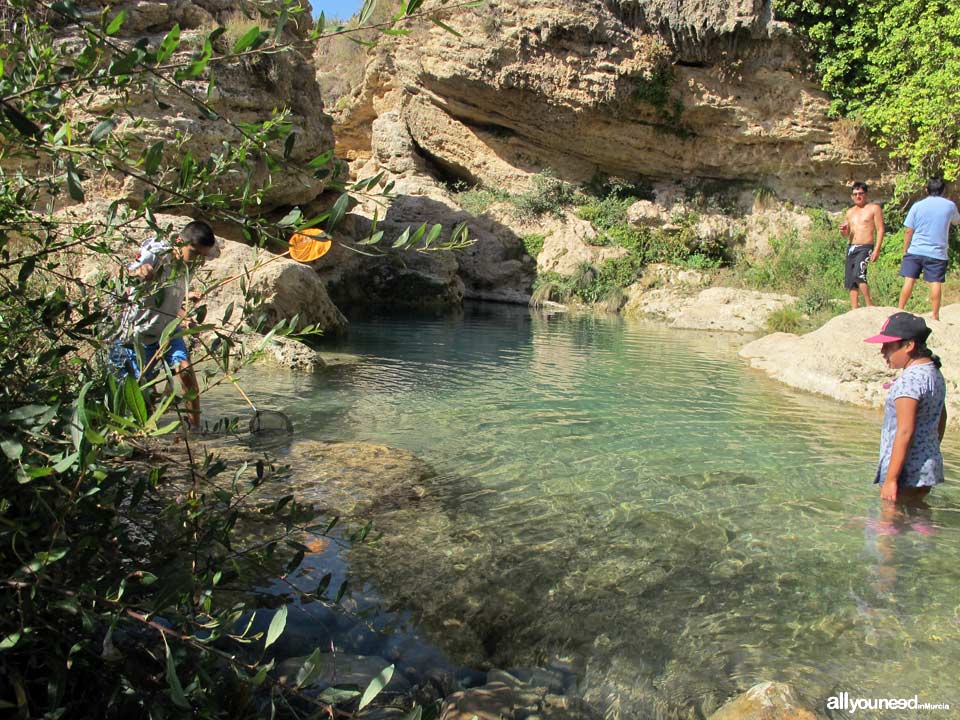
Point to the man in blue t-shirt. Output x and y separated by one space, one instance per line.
925 243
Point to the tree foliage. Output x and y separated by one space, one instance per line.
893 66
124 582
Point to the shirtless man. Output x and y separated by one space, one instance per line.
862 223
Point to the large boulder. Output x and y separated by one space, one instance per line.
280 289
834 361
492 267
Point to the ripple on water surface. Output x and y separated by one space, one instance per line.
638 499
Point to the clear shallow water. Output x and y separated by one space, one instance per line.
637 504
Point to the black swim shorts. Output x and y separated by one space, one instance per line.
856 270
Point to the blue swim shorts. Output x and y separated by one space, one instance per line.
124 357
934 270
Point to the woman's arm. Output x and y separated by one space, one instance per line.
942 425
906 422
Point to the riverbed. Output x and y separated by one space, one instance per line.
637 506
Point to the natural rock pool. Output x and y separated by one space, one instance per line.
637 505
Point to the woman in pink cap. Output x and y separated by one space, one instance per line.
914 416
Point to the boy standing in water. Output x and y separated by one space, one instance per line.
162 270
862 223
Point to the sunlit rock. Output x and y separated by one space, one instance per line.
834 361
719 308
766 701
280 289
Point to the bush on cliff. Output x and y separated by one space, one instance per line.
892 65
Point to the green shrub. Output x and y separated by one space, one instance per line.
478 199
788 319
596 285
533 244
604 186
549 194
554 287
607 213
699 261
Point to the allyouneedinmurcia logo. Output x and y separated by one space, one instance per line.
843 701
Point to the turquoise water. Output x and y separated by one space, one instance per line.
638 505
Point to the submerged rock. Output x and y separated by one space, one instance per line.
766 701
358 479
343 669
513 700
283 352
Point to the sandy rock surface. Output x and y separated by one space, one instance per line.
718 308
834 361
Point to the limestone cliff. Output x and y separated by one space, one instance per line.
707 91
245 91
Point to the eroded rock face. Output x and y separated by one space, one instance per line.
630 88
834 361
245 91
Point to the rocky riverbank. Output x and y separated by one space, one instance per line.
835 362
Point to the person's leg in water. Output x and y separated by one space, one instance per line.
178 358
912 495
191 391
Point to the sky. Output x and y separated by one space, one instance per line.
340 9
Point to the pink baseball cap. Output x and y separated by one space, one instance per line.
901 326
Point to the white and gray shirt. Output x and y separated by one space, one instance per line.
153 306
924 464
